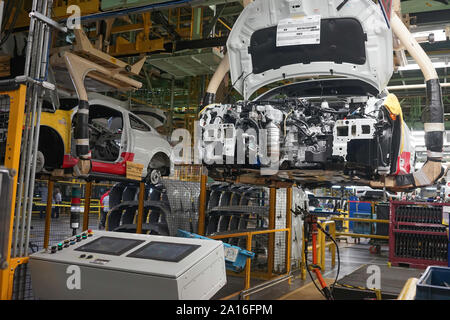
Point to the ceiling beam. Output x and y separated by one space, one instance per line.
416 6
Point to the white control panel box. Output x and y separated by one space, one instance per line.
121 266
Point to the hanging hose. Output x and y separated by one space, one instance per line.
219 75
216 80
81 132
433 118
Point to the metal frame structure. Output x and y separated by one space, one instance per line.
395 229
12 159
23 137
250 234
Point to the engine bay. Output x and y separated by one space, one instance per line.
353 137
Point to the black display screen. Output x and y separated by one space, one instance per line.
164 251
110 245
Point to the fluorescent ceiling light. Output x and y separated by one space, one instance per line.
437 65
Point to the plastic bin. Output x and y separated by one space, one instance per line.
355 206
235 257
382 213
434 284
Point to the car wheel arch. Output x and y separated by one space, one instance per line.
51 144
159 160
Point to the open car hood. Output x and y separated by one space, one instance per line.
273 40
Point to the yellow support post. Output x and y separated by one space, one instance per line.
303 263
321 249
48 212
288 226
248 264
87 205
323 244
140 207
202 202
271 247
12 159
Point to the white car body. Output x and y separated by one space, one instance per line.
141 144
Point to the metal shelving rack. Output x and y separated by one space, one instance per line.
417 237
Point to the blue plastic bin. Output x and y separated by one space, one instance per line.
434 284
361 227
236 265
355 208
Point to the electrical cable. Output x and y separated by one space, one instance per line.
338 256
312 278
232 86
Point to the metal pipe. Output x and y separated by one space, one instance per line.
26 136
35 128
33 173
42 73
32 69
30 41
264 286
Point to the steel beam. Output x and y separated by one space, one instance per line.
416 6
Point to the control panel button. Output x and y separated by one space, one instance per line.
89 256
83 256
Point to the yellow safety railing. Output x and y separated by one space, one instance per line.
358 235
65 204
249 236
409 290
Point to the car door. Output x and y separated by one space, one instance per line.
108 133
145 141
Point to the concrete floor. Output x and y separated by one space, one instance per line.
352 257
